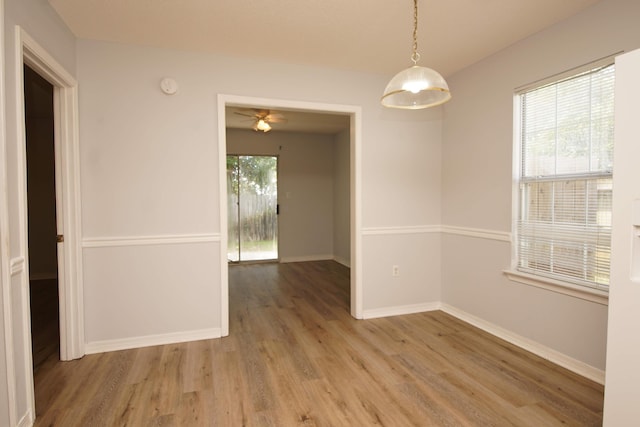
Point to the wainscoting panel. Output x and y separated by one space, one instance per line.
148 290
414 283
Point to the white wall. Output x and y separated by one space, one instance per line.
477 179
342 198
305 188
623 350
40 21
149 169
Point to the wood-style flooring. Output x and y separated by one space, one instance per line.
295 357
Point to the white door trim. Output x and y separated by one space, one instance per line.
67 168
355 112
5 265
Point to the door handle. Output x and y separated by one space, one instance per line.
60 238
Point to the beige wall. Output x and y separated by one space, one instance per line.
477 181
150 169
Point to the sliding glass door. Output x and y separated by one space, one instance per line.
252 189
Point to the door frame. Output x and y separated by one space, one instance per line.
67 175
277 258
355 114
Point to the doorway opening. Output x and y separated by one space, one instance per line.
62 90
41 224
348 212
67 194
252 203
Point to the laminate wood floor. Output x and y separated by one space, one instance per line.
295 357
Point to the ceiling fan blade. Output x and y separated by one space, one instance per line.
252 115
271 119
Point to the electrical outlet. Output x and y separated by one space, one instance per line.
395 271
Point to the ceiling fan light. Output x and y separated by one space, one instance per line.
416 87
262 126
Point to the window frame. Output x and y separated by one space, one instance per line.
594 294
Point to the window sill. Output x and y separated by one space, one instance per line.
593 295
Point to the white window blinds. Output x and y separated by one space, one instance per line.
563 228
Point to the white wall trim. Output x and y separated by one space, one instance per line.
401 310
502 236
306 258
169 239
68 206
355 205
17 265
6 265
151 340
534 347
417 229
27 420
222 202
480 233
576 291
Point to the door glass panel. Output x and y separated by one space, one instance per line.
254 226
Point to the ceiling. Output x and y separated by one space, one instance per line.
295 121
364 35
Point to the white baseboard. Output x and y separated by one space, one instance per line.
534 347
151 340
342 261
400 310
27 420
306 258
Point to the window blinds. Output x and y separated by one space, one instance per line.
566 139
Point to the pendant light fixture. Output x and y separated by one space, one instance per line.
416 87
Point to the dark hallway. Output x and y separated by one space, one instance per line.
41 199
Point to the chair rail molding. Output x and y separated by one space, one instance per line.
161 239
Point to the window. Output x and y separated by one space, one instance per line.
565 145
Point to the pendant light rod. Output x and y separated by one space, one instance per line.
415 56
416 87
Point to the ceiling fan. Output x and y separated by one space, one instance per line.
262 118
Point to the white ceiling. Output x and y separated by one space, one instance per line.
364 35
295 121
